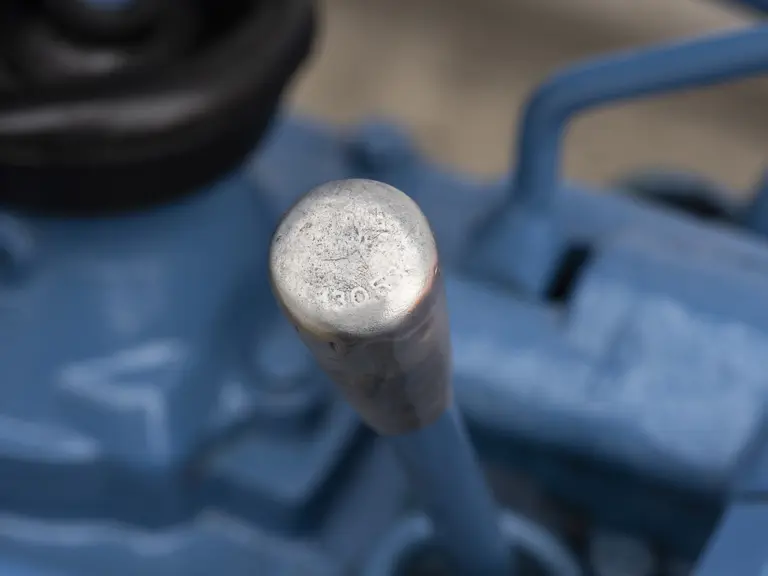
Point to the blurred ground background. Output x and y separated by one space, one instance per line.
456 72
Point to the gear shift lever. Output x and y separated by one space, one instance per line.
354 266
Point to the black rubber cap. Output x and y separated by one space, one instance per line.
157 132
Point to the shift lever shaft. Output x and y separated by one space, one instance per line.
354 266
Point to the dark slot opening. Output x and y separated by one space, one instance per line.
568 273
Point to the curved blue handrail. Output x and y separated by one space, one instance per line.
671 67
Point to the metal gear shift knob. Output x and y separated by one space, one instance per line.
354 266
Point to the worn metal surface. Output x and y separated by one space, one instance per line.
355 267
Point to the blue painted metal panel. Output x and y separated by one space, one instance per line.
740 541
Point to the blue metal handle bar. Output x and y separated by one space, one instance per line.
668 68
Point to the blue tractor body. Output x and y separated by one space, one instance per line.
158 416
